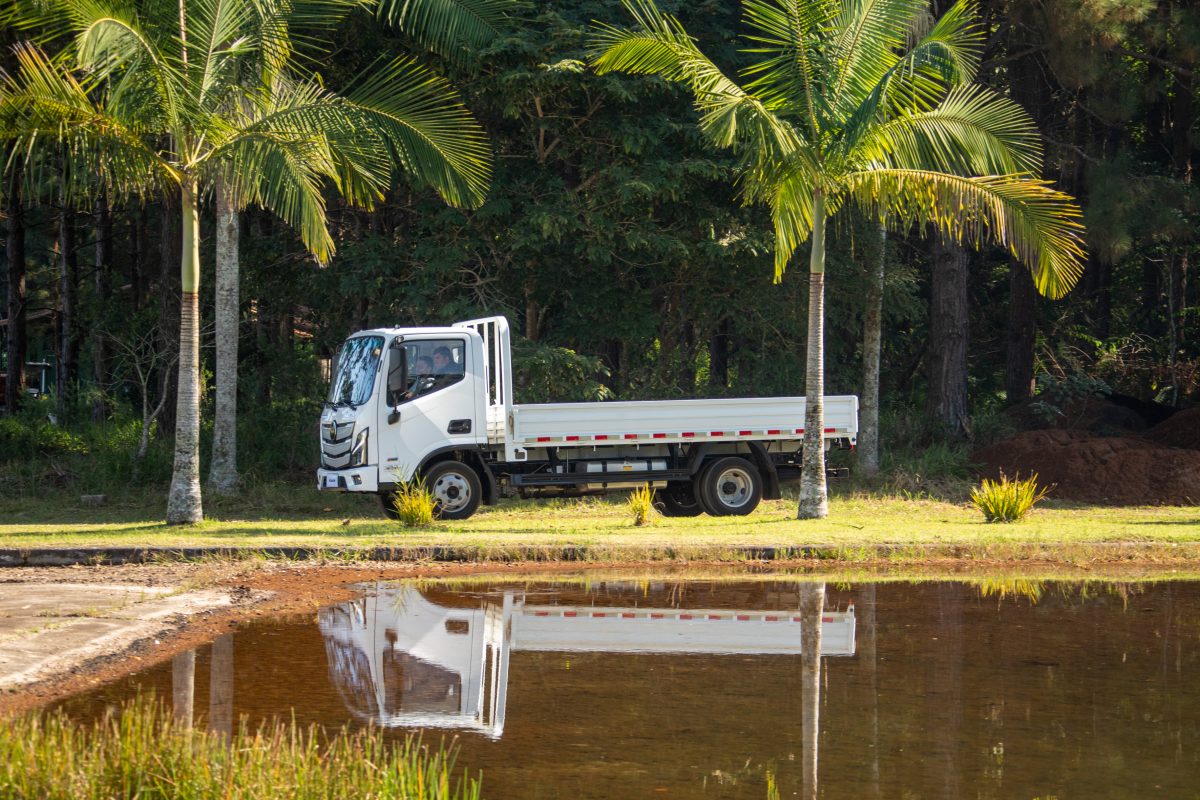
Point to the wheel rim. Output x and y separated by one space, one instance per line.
451 491
734 487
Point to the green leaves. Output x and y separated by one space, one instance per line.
870 101
451 28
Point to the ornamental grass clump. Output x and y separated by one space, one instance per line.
414 503
139 751
641 506
1007 500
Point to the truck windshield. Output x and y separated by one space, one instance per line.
355 374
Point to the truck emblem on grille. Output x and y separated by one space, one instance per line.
333 430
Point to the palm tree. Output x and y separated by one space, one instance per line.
151 95
451 29
847 101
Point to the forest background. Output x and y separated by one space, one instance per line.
612 239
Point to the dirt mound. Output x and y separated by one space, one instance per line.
1120 470
1096 414
1182 429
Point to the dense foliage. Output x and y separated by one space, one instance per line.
613 240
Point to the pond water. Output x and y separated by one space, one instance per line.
678 688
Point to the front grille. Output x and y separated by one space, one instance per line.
337 439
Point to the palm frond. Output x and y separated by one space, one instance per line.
730 116
451 28
871 34
1037 224
219 33
973 131
795 69
42 105
428 130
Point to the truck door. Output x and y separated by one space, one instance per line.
430 403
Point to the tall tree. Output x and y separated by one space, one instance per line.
844 104
454 30
148 93
14 385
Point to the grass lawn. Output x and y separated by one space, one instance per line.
860 527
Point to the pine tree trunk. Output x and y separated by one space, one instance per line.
812 607
1022 332
183 503
104 233
67 269
222 475
946 403
718 357
868 418
814 500
14 386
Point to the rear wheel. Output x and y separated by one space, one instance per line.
455 488
677 500
730 487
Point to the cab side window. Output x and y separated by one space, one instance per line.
432 366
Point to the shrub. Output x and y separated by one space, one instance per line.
1007 500
414 503
641 505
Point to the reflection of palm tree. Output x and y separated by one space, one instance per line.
220 686
183 686
867 656
812 606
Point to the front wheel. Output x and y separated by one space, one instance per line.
678 500
455 488
730 487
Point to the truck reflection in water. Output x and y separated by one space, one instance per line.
399 659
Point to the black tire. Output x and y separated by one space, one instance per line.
387 500
730 487
456 489
677 500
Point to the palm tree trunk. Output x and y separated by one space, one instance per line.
14 386
868 429
222 474
812 607
183 502
814 501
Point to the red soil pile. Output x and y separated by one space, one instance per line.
1118 470
1182 429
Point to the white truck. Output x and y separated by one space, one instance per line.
438 403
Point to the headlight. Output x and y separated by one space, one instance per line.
358 456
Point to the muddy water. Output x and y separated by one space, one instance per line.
698 689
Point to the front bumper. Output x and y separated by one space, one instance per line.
359 479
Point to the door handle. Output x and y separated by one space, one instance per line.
459 426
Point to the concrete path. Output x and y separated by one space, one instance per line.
48 630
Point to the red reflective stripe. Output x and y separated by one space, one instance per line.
631 436
656 616
541 613
628 615
743 618
799 430
745 433
543 438
600 437
771 619
826 619
598 614
685 616
831 430
797 619
717 433
773 432
660 436
571 438
687 434
715 616
570 614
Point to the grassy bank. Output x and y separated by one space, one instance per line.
140 752
860 527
